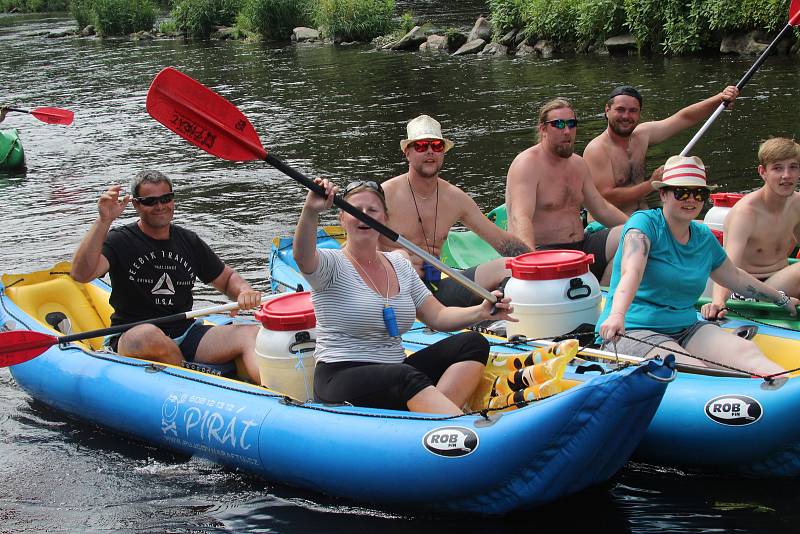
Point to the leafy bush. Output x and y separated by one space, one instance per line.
406 23
121 17
33 6
275 19
506 15
600 19
353 20
83 11
197 18
556 20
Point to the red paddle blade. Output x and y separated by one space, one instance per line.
202 117
53 115
794 13
19 346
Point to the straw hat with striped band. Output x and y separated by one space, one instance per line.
682 171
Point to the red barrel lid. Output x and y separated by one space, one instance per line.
292 311
549 264
726 200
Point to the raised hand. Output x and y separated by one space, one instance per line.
109 206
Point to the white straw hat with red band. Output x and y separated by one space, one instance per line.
682 171
424 127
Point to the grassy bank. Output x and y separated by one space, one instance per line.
665 26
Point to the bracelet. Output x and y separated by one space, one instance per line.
783 300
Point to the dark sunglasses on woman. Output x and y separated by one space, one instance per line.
366 184
700 194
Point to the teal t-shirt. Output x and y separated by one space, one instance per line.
674 277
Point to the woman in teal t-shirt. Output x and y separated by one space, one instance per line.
661 269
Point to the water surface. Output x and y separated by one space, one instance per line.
338 112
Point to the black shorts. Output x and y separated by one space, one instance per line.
187 342
391 385
592 243
451 293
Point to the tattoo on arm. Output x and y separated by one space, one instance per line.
512 247
635 244
751 291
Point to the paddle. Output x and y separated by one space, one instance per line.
794 20
48 115
18 346
210 122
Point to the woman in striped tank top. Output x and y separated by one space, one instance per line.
364 299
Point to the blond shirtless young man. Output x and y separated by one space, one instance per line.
548 184
616 157
764 227
423 207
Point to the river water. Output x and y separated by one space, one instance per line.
337 112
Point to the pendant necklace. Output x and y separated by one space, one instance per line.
389 318
430 273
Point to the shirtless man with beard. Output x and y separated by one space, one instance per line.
616 157
548 184
423 207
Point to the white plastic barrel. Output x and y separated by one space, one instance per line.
721 205
552 292
285 345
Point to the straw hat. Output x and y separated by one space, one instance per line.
682 171
424 127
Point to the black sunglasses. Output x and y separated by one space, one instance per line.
361 184
700 194
166 198
563 123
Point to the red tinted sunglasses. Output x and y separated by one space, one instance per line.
437 145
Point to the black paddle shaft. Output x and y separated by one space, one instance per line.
341 203
383 229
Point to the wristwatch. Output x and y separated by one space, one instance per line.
781 302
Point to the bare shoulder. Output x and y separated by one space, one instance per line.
597 146
392 183
524 163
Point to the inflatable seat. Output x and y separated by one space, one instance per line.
59 294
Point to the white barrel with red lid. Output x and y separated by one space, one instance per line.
721 205
285 345
553 292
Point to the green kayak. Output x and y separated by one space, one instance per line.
12 155
464 248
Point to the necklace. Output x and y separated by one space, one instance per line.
429 246
389 318
414 193
430 273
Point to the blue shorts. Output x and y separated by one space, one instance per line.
187 342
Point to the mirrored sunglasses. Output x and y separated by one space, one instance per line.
700 194
437 145
166 198
563 123
364 184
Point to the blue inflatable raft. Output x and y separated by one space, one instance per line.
726 422
487 463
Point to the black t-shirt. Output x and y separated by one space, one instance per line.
154 278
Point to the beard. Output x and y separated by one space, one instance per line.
565 151
622 130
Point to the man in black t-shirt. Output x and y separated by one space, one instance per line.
153 265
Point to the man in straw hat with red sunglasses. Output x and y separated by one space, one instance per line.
661 270
548 185
153 265
616 157
763 228
423 207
